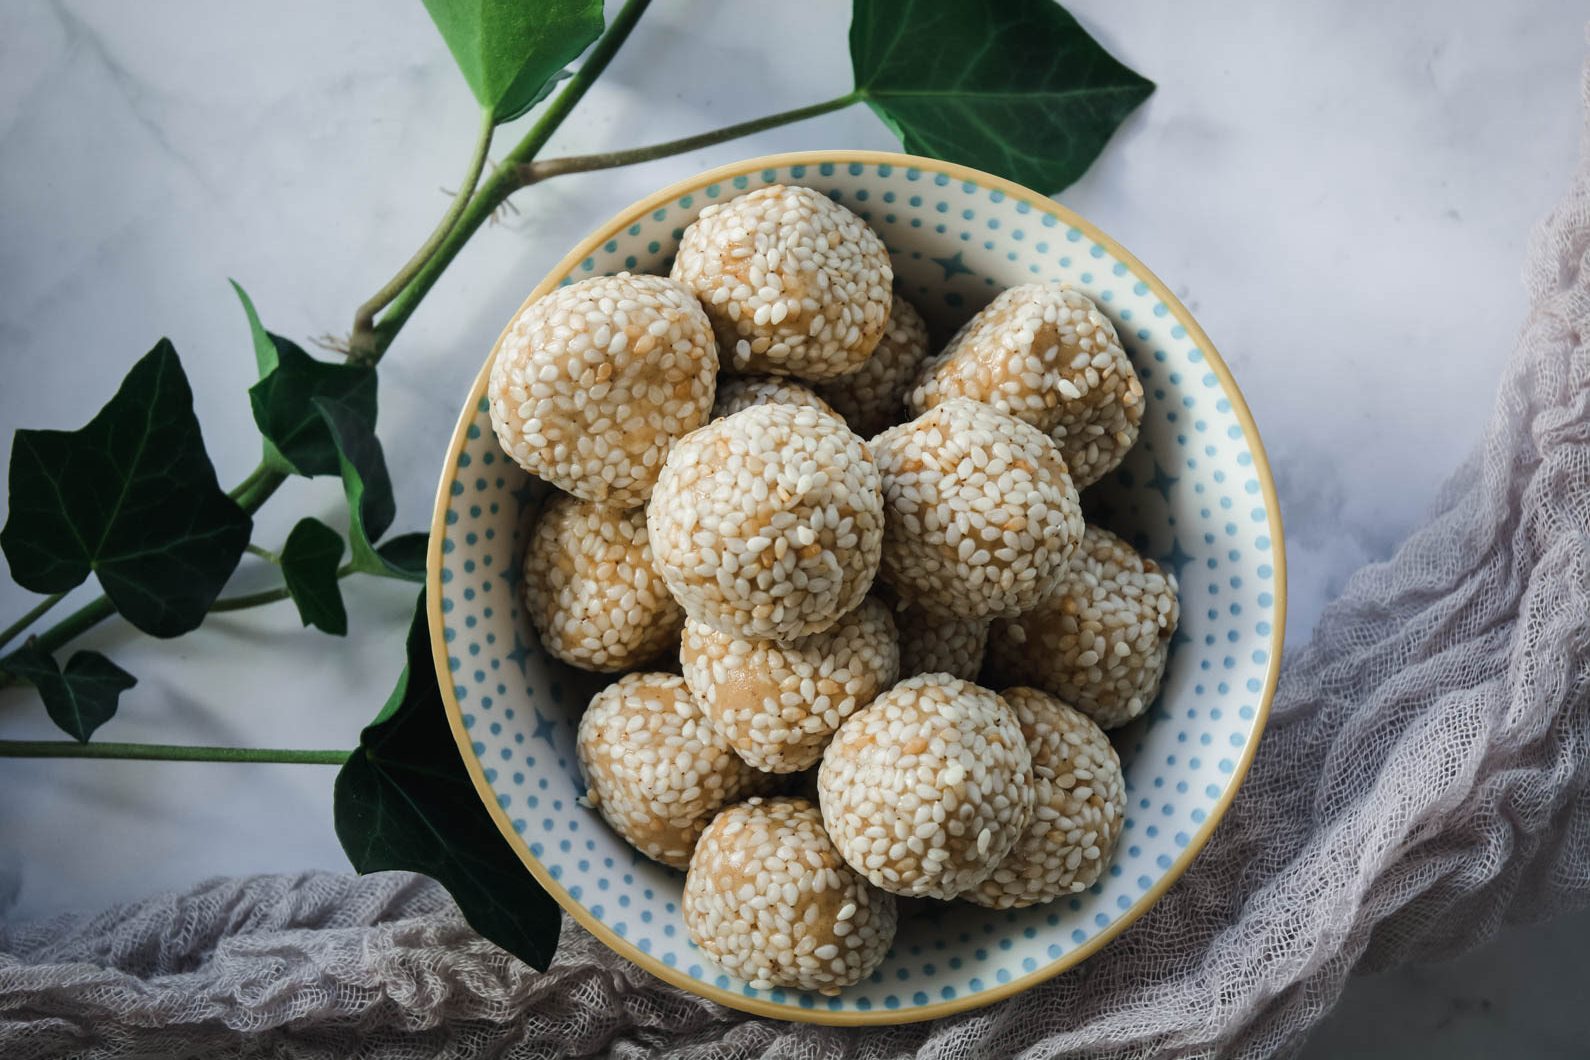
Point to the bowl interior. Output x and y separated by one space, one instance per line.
1194 493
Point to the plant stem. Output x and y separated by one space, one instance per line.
76 624
28 619
264 596
504 180
361 345
264 553
257 488
532 172
168 752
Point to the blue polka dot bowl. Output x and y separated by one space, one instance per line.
1195 493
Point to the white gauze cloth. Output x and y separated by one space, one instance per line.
1423 781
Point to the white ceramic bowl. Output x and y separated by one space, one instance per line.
1195 493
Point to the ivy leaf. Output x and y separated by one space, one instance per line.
1016 88
132 497
309 566
406 553
405 801
284 408
264 348
511 50
80 699
369 490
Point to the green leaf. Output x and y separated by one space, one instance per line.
369 490
284 407
406 553
82 698
264 348
405 801
309 566
510 50
132 497
1016 88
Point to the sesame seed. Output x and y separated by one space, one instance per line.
590 589
1100 642
655 768
779 921
763 474
778 704
956 470
557 413
793 282
1075 826
1045 353
967 752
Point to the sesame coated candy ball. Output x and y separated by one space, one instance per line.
1100 642
590 589
655 768
873 397
767 524
593 382
771 901
1045 354
778 704
794 283
741 392
933 643
981 514
928 788
1079 807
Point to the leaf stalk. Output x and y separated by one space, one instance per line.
361 344
168 752
37 612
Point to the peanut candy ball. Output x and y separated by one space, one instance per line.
778 704
771 901
767 524
654 767
742 391
594 381
981 514
1101 641
873 396
1044 353
591 591
794 283
1079 807
926 790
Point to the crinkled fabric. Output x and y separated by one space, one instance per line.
1422 783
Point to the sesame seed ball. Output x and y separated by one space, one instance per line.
873 397
771 901
794 283
1079 807
595 380
981 514
1101 640
767 524
743 391
778 704
591 591
1045 353
655 768
926 790
932 643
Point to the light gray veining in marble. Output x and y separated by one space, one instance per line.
1342 194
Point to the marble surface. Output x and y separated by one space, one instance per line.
1342 196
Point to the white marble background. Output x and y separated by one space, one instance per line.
1342 193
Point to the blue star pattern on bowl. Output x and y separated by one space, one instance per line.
1193 493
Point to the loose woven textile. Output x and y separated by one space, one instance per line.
1423 782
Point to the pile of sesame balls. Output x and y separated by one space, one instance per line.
814 548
